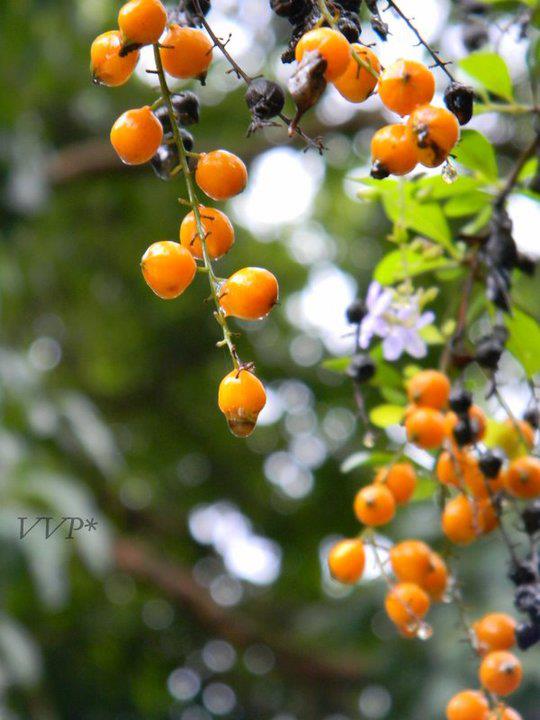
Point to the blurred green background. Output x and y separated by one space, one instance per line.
202 592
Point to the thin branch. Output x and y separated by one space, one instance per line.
512 179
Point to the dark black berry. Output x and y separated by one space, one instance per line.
264 98
463 432
527 635
527 600
522 573
490 463
497 289
532 417
356 312
460 401
379 171
526 264
459 99
475 35
531 517
289 8
361 368
167 159
379 27
349 25
186 107
488 352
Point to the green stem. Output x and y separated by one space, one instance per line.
194 204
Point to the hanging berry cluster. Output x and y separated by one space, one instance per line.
157 134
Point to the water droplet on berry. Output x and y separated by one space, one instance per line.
425 631
449 173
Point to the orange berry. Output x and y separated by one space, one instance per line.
219 233
356 84
410 561
331 44
468 705
495 631
525 435
249 294
168 268
436 580
106 64
474 478
522 479
241 398
450 469
425 428
436 131
406 604
346 561
429 388
503 712
500 672
220 174
477 419
187 52
374 505
400 479
489 517
406 84
136 136
142 21
462 520
393 151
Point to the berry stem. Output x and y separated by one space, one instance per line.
194 204
333 21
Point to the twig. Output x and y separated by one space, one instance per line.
511 180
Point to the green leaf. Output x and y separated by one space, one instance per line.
467 204
393 396
428 220
432 335
425 487
364 457
475 152
338 365
490 70
524 341
396 265
478 222
385 415
434 188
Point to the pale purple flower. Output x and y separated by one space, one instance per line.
397 319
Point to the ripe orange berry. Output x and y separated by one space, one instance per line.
503 712
436 580
374 505
187 52
106 64
241 398
425 428
522 479
429 388
477 419
400 479
524 436
356 84
495 631
219 233
450 468
136 136
468 705
500 672
462 521
346 561
436 131
488 514
406 84
393 151
142 22
410 561
220 174
406 604
475 480
168 268
249 294
331 44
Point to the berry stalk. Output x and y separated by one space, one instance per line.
194 204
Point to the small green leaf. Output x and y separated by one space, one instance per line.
428 220
468 204
524 341
478 222
432 335
425 487
490 70
475 152
364 458
385 415
397 265
393 396
338 365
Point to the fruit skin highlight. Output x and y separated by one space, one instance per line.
241 397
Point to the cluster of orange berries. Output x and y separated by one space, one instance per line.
406 88
206 233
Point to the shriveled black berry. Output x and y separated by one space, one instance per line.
526 264
527 600
459 99
356 312
527 635
167 159
349 25
379 27
289 8
532 417
188 12
361 368
488 352
475 35
186 106
531 517
463 432
379 171
490 463
351 5
460 400
497 289
264 98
